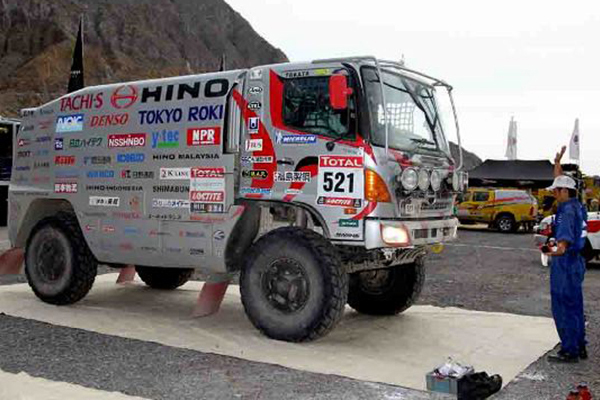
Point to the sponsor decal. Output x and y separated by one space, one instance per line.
206 113
99 121
255 174
113 188
253 124
254 145
41 164
41 179
207 208
293 191
283 138
251 190
129 174
129 215
42 153
296 74
43 139
91 101
172 217
149 248
108 229
95 214
124 97
196 252
212 88
160 116
340 177
173 249
126 246
165 139
188 234
66 173
23 142
96 160
90 227
104 201
254 105
23 154
256 159
219 235
59 144
65 188
131 158
175 173
100 174
194 156
292 176
27 113
347 235
23 168
170 203
254 90
88 142
154 232
255 74
339 202
348 223
64 160
204 136
127 140
170 189
46 123
130 230
207 196
70 123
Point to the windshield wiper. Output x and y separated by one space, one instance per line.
420 143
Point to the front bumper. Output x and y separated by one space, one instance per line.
420 233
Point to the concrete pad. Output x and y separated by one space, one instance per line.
397 350
25 387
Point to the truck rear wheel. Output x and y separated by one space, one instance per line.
164 278
506 224
59 266
293 285
386 291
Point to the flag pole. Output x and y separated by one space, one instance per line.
76 80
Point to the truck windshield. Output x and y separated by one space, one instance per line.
412 112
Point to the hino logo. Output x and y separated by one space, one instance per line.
181 91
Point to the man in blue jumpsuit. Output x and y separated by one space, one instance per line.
567 272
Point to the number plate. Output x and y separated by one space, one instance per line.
341 177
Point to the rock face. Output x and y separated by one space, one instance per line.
470 160
124 40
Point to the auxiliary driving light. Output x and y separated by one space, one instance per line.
423 180
395 235
410 179
436 180
455 181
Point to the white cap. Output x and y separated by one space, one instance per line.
563 181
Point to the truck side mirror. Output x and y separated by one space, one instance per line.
339 92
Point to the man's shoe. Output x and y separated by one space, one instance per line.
583 353
562 357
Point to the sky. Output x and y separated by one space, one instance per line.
535 60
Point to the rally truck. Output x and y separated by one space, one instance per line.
321 183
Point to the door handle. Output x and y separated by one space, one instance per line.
286 161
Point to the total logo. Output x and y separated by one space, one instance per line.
340 162
165 139
127 140
70 123
204 136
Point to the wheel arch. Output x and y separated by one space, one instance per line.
38 210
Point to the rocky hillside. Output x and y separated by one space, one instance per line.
124 40
470 160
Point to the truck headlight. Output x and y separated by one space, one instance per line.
410 179
423 180
436 180
395 235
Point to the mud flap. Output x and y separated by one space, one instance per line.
11 261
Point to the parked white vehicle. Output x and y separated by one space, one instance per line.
544 230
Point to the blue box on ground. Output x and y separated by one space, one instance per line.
439 384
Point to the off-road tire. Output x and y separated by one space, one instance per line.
323 287
164 278
59 236
506 224
398 289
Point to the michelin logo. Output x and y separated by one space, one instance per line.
283 138
70 123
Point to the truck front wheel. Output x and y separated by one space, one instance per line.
386 291
164 278
293 286
60 267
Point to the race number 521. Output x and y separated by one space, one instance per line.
341 176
